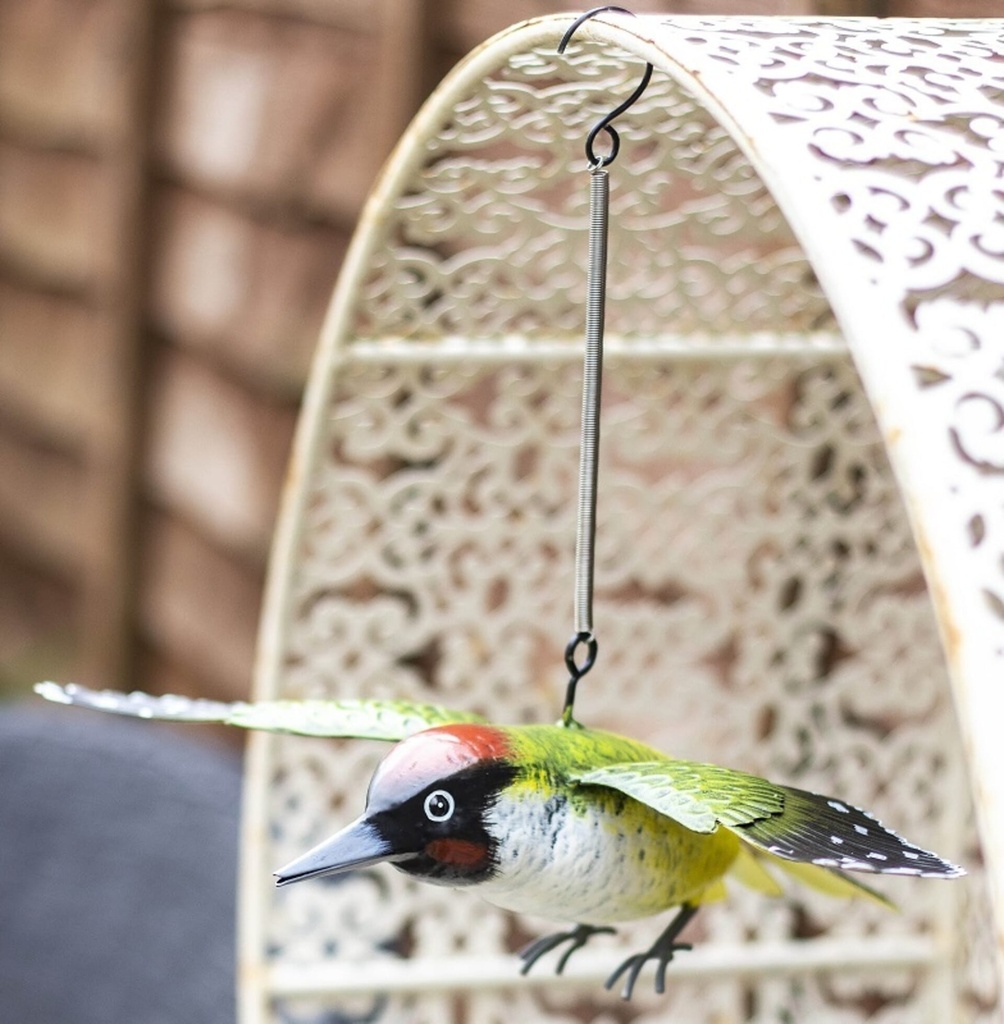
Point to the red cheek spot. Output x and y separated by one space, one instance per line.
459 853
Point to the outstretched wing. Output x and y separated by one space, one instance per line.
360 719
792 824
833 834
699 796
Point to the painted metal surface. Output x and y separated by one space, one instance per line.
804 413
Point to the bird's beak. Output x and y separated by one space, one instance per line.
357 846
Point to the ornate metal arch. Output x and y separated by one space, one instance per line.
802 209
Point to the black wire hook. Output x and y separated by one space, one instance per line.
605 123
577 671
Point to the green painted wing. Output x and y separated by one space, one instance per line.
359 719
792 824
699 796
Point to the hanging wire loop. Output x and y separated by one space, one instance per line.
577 670
606 122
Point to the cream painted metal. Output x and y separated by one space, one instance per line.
806 298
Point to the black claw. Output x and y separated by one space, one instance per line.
612 980
661 951
660 976
577 938
572 947
632 977
535 950
633 964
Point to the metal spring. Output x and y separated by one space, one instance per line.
580 653
592 379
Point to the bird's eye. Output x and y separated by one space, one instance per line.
439 806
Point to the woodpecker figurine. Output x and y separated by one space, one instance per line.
560 821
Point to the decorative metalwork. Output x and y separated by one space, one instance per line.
761 592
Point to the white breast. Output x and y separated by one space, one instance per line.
583 865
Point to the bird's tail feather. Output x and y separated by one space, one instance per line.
748 869
832 883
751 868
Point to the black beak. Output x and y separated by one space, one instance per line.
357 846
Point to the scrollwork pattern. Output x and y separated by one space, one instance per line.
760 599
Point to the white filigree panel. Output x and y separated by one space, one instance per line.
760 598
491 240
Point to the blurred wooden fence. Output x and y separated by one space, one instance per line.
178 183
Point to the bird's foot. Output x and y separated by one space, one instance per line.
576 938
661 951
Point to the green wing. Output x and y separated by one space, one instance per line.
699 796
360 719
791 824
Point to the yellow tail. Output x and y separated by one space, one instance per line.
749 868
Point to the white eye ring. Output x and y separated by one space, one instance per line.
439 806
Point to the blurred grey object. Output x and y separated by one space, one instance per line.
118 850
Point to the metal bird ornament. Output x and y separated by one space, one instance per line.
564 822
